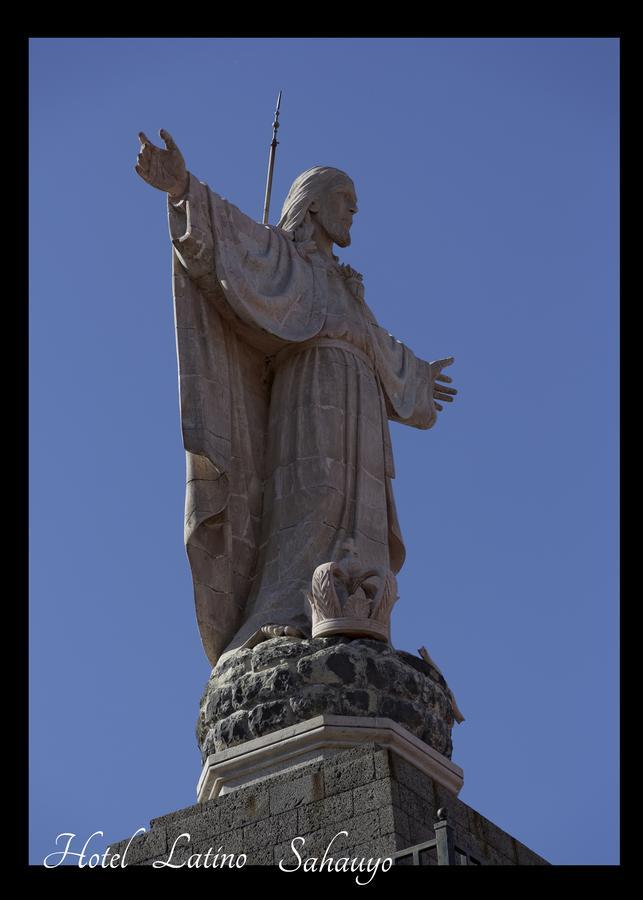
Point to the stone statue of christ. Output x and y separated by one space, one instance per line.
287 383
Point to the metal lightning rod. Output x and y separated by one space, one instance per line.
271 161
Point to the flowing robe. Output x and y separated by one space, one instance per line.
286 385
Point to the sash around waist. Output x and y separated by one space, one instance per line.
292 349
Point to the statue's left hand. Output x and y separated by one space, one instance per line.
441 389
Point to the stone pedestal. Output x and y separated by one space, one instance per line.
328 743
285 681
382 802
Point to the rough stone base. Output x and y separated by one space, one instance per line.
284 681
382 801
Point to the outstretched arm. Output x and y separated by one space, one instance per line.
414 388
251 272
188 214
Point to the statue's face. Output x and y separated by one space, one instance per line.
334 212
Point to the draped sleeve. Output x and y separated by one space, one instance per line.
406 380
267 285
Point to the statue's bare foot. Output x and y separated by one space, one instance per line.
273 631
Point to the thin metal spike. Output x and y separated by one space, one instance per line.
271 161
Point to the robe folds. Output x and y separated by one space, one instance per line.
286 386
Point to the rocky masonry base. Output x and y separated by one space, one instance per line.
284 681
383 802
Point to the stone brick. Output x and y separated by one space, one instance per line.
408 775
357 703
361 829
271 716
393 820
276 650
316 700
219 704
268 832
346 772
395 793
290 794
342 666
199 827
234 667
229 732
263 857
244 806
372 795
402 824
195 810
419 831
382 762
416 806
230 841
313 816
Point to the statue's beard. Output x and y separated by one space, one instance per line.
340 234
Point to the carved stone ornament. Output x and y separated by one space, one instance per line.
352 600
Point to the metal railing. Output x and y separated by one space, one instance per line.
441 851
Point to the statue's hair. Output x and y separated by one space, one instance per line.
308 186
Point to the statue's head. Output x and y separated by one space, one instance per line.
323 196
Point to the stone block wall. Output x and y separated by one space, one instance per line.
383 802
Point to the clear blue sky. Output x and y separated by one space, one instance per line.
487 180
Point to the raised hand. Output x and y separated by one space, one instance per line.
441 390
163 169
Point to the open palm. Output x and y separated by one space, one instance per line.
441 389
163 169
